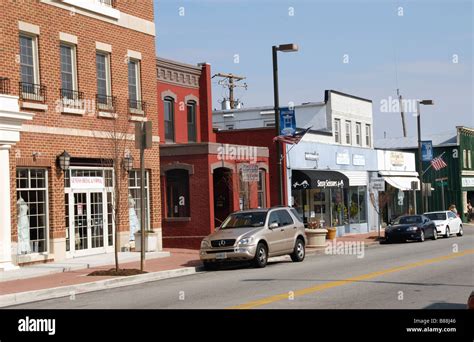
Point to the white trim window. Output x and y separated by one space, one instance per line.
337 131
368 136
104 83
68 71
469 161
358 134
29 63
134 86
464 159
261 189
32 210
348 133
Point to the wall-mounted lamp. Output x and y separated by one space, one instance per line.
127 163
64 161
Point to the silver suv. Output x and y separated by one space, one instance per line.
255 235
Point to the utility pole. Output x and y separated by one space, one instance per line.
400 101
229 81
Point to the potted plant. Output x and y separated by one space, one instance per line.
151 241
331 235
316 235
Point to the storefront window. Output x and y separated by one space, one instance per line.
177 193
244 193
134 200
32 209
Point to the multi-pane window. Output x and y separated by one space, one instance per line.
29 69
68 74
32 210
368 140
169 119
134 94
177 193
191 107
134 200
103 77
244 192
261 189
358 133
348 133
337 131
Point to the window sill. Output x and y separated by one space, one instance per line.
108 115
138 118
134 111
74 111
34 105
177 219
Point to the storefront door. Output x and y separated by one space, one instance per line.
88 223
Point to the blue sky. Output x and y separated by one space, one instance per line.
420 45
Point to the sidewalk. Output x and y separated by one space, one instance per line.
54 280
369 239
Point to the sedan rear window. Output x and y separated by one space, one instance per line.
245 220
436 216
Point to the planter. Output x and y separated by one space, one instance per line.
151 241
316 237
331 233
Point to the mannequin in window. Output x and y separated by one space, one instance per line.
134 222
23 227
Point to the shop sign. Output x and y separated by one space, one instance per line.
249 172
87 182
311 156
329 183
467 182
358 160
397 158
377 184
343 158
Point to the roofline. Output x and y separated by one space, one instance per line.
169 63
265 108
326 95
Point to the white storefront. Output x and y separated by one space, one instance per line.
11 120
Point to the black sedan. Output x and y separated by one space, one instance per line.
411 227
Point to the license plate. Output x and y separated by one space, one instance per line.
221 255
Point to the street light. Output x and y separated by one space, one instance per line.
275 49
420 157
64 161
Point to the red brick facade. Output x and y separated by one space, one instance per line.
82 136
212 172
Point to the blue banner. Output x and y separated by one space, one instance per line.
427 150
287 121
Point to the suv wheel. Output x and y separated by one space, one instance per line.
261 256
299 251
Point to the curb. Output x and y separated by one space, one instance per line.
72 290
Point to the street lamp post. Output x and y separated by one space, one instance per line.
275 49
420 157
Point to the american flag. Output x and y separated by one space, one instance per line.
438 163
294 138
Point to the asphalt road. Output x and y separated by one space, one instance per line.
398 276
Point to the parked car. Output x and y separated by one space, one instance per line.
255 235
446 222
411 227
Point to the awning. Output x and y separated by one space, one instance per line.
402 183
313 179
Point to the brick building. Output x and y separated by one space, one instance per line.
202 180
85 72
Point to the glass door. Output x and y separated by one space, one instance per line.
80 228
97 219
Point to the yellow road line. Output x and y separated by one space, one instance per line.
325 286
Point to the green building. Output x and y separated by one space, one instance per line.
453 184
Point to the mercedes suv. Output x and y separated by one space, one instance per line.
255 235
